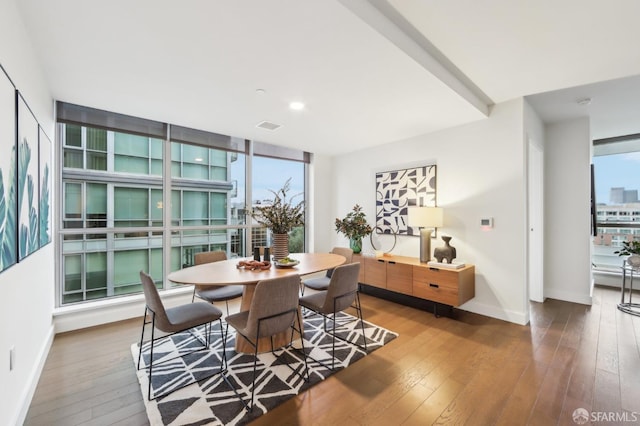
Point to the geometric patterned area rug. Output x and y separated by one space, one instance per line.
212 402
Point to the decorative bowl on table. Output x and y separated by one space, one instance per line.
286 262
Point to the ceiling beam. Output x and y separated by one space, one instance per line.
387 21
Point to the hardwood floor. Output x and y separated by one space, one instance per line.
468 370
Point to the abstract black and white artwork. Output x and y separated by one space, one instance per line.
28 129
8 158
398 190
44 192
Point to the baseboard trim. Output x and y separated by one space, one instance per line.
30 390
567 296
521 318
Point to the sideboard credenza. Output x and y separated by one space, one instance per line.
408 276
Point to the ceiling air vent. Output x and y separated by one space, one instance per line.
268 125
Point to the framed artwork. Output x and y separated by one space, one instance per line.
44 188
28 130
8 179
398 190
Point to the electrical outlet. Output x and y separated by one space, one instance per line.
12 357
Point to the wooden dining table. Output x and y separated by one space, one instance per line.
227 272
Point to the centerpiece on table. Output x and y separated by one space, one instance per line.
280 216
354 226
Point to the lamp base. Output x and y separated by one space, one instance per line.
425 244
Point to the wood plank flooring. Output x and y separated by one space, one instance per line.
469 370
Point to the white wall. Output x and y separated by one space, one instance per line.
567 205
480 173
27 288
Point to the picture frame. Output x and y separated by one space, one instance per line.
396 191
8 175
28 132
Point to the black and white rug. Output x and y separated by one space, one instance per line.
212 402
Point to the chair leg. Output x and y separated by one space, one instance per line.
304 353
359 310
253 381
153 328
144 324
224 334
333 342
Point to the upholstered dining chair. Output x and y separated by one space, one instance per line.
213 294
322 283
341 295
174 320
273 310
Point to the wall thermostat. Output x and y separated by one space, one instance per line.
486 222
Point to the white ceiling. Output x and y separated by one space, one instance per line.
359 69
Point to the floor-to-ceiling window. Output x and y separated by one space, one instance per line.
616 183
264 181
141 195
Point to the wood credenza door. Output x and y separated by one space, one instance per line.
375 272
399 277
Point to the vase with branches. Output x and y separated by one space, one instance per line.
280 215
355 227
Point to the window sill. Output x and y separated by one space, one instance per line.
68 318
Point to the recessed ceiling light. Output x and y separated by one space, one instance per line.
296 106
261 91
198 160
583 101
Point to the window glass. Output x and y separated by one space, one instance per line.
195 209
264 181
127 266
617 181
176 207
96 139
96 205
73 158
127 144
73 205
131 207
73 273
96 271
156 207
73 135
99 258
218 210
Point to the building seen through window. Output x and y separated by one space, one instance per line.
113 220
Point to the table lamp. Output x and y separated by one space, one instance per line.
426 218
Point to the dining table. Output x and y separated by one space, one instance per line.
229 272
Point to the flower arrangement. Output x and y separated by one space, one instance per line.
628 248
281 215
354 225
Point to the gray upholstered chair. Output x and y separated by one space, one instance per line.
213 294
322 283
174 320
341 295
273 310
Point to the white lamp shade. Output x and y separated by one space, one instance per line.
427 217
